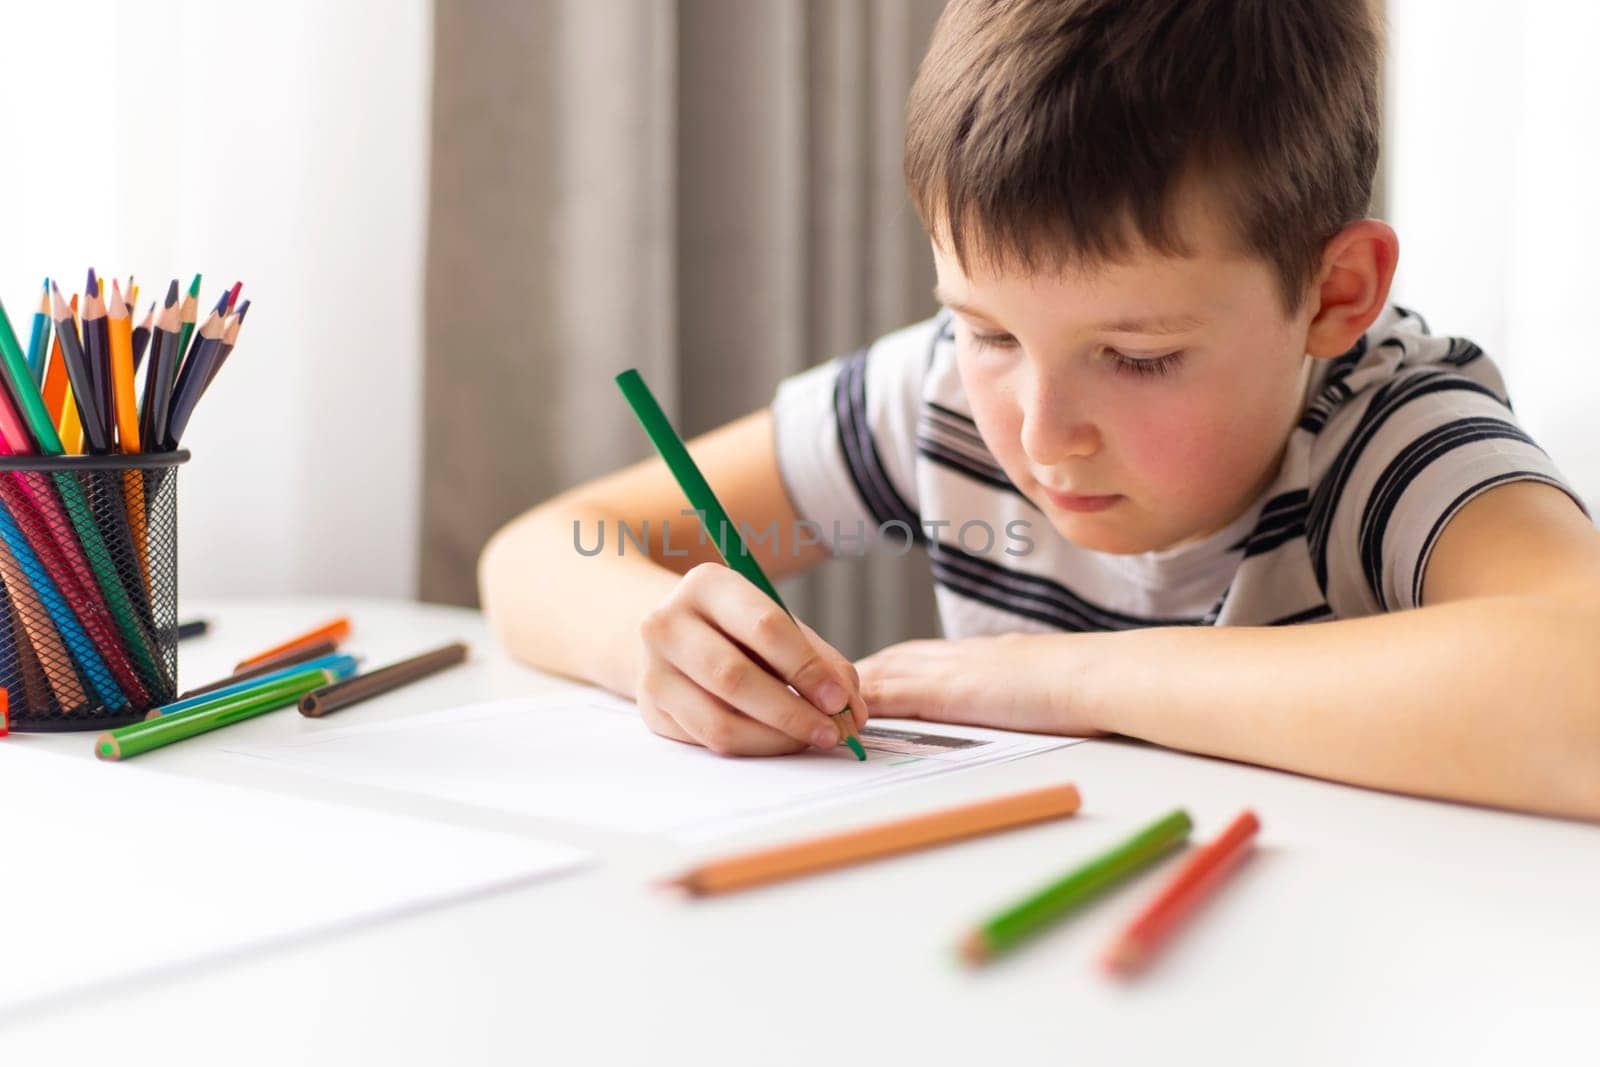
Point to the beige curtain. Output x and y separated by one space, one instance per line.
708 190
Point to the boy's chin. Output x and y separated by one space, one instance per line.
1085 532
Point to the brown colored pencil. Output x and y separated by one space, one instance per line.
874 842
363 686
287 658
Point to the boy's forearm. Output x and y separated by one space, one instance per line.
565 612
1495 701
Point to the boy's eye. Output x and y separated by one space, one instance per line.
993 340
1145 365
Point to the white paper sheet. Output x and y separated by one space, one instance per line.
114 872
583 755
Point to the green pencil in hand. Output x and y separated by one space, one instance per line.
719 527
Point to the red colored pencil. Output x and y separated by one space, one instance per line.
334 631
1207 869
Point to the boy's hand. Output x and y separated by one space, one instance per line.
718 661
1009 682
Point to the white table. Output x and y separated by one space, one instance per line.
1368 928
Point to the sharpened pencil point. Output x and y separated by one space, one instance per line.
194 286
91 288
239 315
855 746
172 294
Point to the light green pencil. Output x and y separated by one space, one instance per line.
126 741
1017 923
729 544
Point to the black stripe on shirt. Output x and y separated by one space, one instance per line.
1282 519
1334 391
1462 352
1031 595
1404 469
965 465
1389 398
883 502
1321 611
1456 505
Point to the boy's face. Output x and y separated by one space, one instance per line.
1181 444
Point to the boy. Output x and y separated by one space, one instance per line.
1166 416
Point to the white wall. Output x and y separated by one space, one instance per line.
1493 152
284 144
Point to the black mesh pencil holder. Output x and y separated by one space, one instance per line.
89 583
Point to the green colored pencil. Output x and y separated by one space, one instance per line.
1017 923
190 313
126 741
729 544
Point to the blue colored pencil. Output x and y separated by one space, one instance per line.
39 340
338 664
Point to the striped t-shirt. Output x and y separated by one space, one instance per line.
1394 437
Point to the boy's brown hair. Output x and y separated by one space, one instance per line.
1037 130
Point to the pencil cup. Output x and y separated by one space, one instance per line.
88 588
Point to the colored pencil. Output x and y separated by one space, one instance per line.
342 694
84 392
141 336
193 628
39 340
230 338
875 842
302 654
729 544
192 377
336 630
126 406
1195 881
141 737
188 312
100 429
55 380
1022 920
162 372
340 666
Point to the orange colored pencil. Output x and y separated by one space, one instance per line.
874 842
1205 871
55 380
334 631
125 401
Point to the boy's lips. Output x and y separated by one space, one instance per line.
1079 501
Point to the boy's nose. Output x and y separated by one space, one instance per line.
1051 435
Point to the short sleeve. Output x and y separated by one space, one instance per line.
845 435
1408 456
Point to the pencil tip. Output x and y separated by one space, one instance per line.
855 746
194 286
172 294
91 288
239 315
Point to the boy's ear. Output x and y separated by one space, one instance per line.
1357 266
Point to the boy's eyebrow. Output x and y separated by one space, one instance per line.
1165 324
